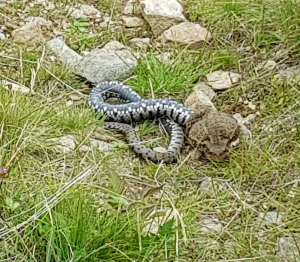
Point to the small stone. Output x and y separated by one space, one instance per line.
294 189
199 101
103 24
75 97
90 11
69 103
2 36
142 43
206 185
84 148
33 31
100 145
65 144
207 90
132 21
266 66
185 33
289 74
211 225
222 80
269 218
38 20
129 8
251 106
162 14
85 11
3 3
288 248
77 13
14 87
160 149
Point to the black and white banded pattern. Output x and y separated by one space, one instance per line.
136 109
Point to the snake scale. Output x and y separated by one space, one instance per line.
135 109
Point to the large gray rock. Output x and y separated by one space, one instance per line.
162 14
98 65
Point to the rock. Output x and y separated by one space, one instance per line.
63 53
104 23
15 87
99 65
3 3
85 11
185 33
129 21
38 20
221 80
207 90
84 148
116 45
100 145
289 74
64 144
142 43
251 106
162 14
207 185
288 248
199 101
35 31
129 8
121 49
210 225
102 65
266 66
2 36
90 11
75 97
69 103
294 190
269 218
160 149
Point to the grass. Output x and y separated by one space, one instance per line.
112 206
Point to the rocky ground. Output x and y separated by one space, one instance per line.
71 191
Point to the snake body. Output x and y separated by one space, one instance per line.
135 109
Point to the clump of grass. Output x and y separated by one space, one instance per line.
181 73
263 24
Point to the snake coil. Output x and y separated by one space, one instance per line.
136 109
